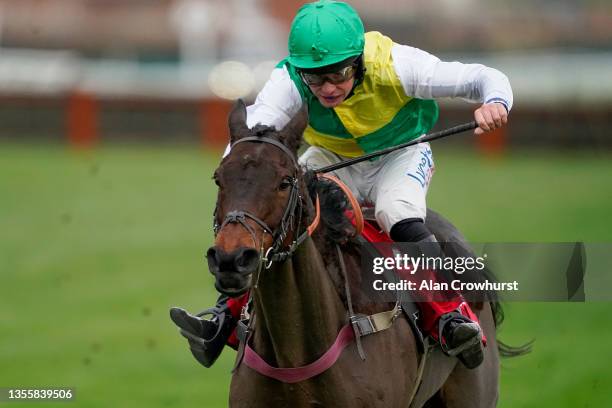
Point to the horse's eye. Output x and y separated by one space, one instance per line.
286 183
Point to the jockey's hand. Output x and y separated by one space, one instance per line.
490 116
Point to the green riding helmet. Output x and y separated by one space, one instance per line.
324 33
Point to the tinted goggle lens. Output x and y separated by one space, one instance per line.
335 78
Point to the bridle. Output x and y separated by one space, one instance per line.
287 224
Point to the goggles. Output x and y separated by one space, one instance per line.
334 78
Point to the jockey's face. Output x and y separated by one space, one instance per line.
331 88
331 95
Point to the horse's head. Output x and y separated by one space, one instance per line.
258 198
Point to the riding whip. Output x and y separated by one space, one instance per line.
422 139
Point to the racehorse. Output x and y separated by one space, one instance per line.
267 242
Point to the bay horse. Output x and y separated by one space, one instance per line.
266 201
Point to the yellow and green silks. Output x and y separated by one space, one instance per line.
377 115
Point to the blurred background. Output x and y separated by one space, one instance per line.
112 120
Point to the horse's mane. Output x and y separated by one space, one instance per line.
333 204
260 130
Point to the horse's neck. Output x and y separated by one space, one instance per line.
298 310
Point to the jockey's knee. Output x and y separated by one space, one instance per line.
393 211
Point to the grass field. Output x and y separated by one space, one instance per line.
96 246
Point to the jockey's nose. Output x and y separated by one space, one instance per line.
242 260
328 88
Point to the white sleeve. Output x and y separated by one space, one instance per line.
277 102
424 76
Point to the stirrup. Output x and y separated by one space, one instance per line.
207 343
469 350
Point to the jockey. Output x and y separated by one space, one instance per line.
366 93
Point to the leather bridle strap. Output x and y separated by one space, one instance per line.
271 141
283 255
240 217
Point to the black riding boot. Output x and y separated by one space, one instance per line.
461 337
206 337
458 335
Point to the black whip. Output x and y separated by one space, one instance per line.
425 138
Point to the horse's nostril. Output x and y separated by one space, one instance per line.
243 260
213 260
247 260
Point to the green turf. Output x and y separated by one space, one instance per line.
95 246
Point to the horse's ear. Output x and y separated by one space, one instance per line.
237 122
291 135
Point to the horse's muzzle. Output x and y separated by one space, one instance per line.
233 270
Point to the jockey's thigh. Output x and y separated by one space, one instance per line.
316 157
400 186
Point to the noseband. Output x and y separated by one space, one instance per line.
294 205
